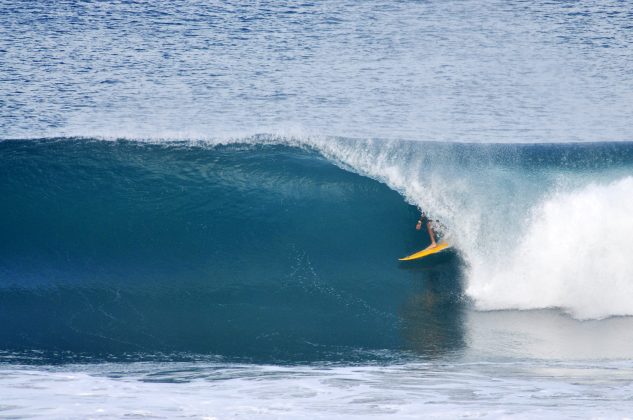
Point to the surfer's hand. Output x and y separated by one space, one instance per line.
418 226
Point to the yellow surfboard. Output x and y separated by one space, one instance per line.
421 254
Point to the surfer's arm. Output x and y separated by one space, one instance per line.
421 220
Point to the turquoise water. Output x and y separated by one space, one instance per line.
203 205
215 250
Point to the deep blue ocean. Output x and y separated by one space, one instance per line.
202 207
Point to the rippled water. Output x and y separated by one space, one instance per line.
434 70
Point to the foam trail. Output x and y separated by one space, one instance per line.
575 256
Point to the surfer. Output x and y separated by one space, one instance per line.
424 220
436 232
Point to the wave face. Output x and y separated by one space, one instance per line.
247 251
272 248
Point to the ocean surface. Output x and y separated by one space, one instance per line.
202 207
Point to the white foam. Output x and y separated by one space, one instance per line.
434 390
575 255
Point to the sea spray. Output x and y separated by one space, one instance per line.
574 255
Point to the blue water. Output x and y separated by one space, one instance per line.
207 250
490 71
203 205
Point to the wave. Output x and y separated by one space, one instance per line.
539 226
284 244
255 251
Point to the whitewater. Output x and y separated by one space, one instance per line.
203 204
